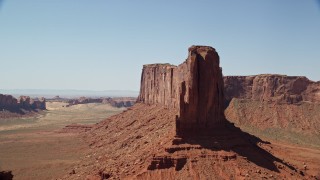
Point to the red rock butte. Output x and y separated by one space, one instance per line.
194 88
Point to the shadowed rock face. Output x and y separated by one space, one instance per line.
272 88
7 101
10 103
194 88
201 91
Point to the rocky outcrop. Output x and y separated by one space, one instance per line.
201 95
161 137
275 106
25 102
115 102
272 88
140 143
38 103
8 102
121 102
84 100
159 85
194 88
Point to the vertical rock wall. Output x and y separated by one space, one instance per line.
201 91
272 88
157 85
194 88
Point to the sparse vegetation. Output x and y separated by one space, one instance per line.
33 148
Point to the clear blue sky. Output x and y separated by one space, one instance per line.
102 45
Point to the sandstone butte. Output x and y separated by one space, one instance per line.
280 106
8 102
178 130
195 88
280 89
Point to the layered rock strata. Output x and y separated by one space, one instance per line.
272 88
195 88
287 106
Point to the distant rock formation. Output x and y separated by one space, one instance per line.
8 102
115 102
283 105
120 101
272 88
194 88
38 103
84 100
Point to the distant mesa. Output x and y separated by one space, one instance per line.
22 104
280 89
115 102
283 105
195 88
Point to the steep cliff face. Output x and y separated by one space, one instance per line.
272 88
275 106
159 85
194 88
201 95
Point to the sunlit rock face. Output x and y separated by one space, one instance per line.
280 89
194 88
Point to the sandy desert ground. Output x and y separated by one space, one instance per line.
35 148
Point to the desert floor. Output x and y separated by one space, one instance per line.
36 148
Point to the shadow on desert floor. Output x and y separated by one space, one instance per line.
230 138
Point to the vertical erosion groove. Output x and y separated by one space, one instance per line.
194 88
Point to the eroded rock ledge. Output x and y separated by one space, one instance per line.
194 88
280 89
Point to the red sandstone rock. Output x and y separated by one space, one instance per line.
158 85
201 91
272 88
195 88
283 105
141 143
